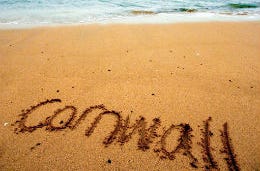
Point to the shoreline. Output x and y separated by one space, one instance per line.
131 97
121 24
139 21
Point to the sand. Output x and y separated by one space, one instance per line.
189 93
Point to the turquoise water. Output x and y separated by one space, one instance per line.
54 12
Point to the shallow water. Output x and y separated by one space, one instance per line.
53 12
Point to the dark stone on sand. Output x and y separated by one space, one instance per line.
109 161
109 70
140 12
187 10
58 91
153 94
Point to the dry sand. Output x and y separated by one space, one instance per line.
179 73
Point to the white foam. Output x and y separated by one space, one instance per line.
161 18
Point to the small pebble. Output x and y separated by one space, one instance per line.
37 144
109 70
109 161
58 91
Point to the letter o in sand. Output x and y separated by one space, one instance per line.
66 124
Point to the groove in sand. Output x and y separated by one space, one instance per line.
123 132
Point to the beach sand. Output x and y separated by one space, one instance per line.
180 74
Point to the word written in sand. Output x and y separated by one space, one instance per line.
123 131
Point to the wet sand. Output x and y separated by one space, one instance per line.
131 97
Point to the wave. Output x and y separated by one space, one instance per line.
55 12
243 6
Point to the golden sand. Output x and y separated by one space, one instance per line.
131 97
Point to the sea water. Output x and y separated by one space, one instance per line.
27 13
